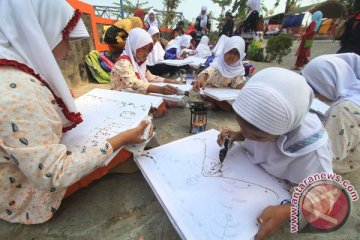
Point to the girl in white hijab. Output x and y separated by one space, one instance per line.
336 80
36 107
178 48
220 45
203 49
130 69
279 133
203 17
157 53
151 20
226 70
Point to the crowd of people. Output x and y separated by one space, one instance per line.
278 131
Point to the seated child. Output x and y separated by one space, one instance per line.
336 79
226 70
276 128
179 48
130 69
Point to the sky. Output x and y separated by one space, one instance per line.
191 8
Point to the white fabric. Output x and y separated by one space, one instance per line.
294 167
220 45
335 76
157 53
153 30
173 43
254 5
30 30
233 70
204 18
203 50
275 100
137 38
180 43
152 23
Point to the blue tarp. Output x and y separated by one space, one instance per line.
293 21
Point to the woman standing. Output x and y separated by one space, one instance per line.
303 52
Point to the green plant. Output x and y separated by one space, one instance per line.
255 52
277 47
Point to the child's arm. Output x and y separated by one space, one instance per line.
203 78
271 220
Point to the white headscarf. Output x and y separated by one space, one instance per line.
204 18
157 52
220 45
236 69
152 23
274 100
203 50
30 30
137 38
335 76
254 5
277 101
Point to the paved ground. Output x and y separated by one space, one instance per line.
123 206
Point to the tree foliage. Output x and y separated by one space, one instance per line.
221 18
289 4
277 47
352 6
129 8
170 7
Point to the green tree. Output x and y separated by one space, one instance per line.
170 6
221 18
129 8
288 5
352 6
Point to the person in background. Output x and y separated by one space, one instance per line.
136 22
180 26
280 134
335 79
225 71
350 39
140 13
248 28
151 20
36 105
228 27
203 49
156 55
304 51
202 24
176 49
117 34
130 69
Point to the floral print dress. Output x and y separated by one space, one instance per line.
35 168
343 127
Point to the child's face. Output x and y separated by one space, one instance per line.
142 53
250 132
232 56
152 17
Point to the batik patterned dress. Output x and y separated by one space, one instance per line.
35 168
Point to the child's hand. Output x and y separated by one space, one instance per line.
271 220
168 90
200 82
234 136
134 135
